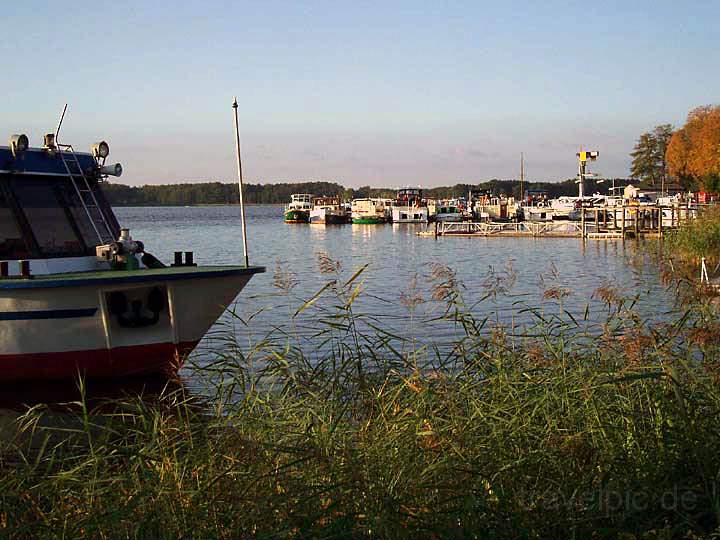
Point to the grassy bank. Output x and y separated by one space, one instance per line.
553 432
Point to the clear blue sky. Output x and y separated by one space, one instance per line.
379 93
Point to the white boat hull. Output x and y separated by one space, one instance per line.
448 218
409 214
52 328
323 216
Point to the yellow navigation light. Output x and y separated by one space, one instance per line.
591 155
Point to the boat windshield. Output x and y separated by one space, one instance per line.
43 217
47 218
12 244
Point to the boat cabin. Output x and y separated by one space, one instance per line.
326 202
409 197
300 201
51 204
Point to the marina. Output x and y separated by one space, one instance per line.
632 213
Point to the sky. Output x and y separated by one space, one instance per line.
362 93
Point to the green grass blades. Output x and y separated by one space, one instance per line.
569 427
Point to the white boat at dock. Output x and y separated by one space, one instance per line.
409 207
328 211
484 206
449 210
368 211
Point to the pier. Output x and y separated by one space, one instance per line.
606 222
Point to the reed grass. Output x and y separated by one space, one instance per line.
560 429
697 238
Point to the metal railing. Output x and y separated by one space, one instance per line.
85 193
523 228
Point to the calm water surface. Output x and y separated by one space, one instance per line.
398 261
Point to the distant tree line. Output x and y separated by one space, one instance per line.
227 193
212 193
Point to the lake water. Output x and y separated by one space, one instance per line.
399 263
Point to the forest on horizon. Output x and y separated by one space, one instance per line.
188 194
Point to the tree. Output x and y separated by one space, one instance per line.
662 135
693 154
643 159
648 163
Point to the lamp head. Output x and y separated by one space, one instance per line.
18 144
100 150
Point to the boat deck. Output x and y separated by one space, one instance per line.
170 273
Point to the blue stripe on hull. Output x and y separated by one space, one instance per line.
50 314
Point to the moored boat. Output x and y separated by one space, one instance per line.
449 210
485 206
368 211
562 206
409 207
298 210
79 295
328 211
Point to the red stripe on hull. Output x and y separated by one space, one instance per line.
156 358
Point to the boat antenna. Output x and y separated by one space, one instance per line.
240 181
522 174
57 129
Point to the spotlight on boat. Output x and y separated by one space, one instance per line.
18 144
101 150
49 144
111 170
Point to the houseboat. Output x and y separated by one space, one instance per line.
368 211
79 295
535 206
328 211
562 206
409 207
449 210
298 210
485 205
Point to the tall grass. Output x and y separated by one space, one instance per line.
549 432
697 238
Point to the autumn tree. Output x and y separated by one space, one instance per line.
693 154
648 157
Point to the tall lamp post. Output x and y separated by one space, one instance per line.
583 158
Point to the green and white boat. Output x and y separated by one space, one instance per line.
368 211
298 211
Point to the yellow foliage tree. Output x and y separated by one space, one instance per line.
693 153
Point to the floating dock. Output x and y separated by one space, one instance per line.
601 223
561 229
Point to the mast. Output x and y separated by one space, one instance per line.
240 181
